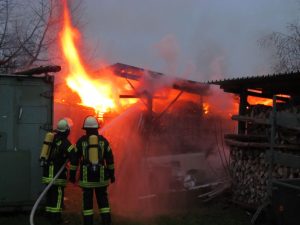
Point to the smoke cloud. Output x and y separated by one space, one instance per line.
168 50
229 31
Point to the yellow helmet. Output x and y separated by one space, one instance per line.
63 125
90 122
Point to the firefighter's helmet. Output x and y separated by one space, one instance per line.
63 125
90 122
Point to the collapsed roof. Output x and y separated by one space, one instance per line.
136 73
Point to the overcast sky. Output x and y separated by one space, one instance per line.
195 39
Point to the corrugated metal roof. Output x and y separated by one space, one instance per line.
258 78
283 83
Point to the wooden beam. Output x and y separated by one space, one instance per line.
39 70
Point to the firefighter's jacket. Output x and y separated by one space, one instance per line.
61 151
101 173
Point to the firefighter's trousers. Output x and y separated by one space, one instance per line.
103 205
54 203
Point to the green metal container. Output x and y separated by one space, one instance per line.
26 104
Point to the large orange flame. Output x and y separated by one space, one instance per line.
95 93
252 100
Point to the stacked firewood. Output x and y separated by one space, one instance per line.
262 113
250 161
262 123
250 174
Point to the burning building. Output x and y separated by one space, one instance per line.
164 139
161 128
265 152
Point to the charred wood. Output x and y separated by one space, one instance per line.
247 138
262 145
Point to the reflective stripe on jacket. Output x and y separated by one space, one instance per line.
61 150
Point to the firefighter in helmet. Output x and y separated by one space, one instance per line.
56 151
96 170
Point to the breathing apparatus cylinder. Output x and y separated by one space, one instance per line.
45 151
93 151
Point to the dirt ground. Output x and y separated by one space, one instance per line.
219 211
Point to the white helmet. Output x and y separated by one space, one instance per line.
63 126
90 122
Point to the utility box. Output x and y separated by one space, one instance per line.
26 106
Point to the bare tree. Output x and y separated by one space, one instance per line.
24 30
286 48
28 29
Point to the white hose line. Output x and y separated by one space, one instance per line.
43 193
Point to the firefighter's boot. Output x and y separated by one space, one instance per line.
88 220
54 218
106 219
57 218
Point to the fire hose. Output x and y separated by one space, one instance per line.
43 193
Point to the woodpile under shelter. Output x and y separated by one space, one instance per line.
265 151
